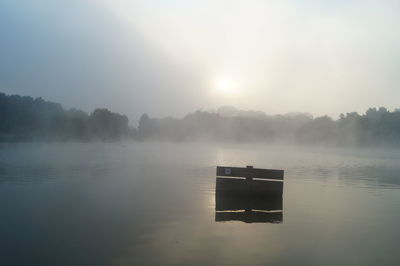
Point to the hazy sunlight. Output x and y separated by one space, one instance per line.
226 86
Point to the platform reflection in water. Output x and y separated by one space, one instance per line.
247 208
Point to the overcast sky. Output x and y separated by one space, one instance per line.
173 57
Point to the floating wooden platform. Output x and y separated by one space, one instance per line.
250 195
249 172
249 181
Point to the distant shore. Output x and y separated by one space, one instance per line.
25 119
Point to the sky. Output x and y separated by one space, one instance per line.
168 58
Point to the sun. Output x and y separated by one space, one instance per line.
225 86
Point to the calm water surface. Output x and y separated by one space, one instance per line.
154 204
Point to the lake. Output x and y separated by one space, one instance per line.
154 204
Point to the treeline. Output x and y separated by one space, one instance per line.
375 127
26 118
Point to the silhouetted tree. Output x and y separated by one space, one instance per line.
106 125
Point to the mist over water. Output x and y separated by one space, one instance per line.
154 204
117 115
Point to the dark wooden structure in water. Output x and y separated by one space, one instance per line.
249 180
249 195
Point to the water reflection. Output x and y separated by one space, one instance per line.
248 209
153 204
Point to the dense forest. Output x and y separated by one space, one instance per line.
26 119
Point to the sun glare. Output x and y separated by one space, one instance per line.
225 86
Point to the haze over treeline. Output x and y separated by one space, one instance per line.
25 118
